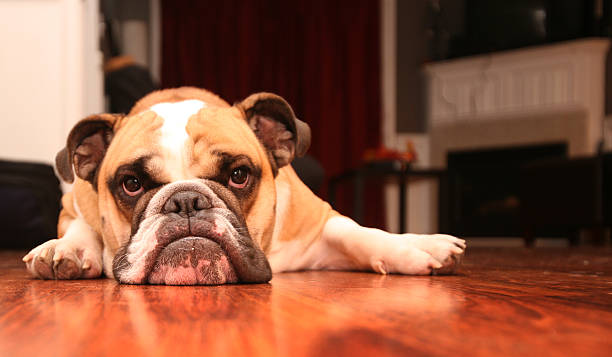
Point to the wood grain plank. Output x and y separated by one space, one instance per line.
503 302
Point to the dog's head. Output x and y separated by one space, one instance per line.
185 184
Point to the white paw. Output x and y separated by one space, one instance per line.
421 255
64 259
446 249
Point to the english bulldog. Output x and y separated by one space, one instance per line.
186 189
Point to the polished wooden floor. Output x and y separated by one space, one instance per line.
505 302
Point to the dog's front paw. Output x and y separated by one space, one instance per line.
421 255
446 249
63 259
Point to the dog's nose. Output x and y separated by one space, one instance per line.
186 203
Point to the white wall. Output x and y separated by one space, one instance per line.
51 75
422 216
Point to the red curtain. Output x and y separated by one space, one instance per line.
321 56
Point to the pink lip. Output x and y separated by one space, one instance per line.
192 261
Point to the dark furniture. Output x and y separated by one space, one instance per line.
567 196
397 170
310 171
30 204
480 195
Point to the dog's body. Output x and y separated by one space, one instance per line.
186 189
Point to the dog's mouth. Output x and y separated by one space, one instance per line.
192 261
190 232
206 256
210 249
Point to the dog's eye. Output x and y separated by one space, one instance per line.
239 177
132 186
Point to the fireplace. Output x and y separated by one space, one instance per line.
481 194
491 114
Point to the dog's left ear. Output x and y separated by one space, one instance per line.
280 132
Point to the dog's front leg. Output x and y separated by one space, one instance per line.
357 247
78 254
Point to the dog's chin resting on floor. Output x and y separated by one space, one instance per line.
186 189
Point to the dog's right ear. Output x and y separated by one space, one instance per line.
275 125
85 147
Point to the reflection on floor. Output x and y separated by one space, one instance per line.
503 302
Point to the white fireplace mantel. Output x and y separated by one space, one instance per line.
537 82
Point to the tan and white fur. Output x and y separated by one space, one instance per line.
159 197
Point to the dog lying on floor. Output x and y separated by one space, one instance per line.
187 189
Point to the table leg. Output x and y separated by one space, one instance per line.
402 203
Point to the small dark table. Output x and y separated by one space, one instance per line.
402 171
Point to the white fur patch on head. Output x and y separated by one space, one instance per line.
176 116
173 132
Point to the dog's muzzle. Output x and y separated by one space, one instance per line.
189 233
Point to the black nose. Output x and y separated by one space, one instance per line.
186 203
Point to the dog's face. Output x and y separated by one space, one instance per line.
185 189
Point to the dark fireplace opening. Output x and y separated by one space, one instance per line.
480 195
